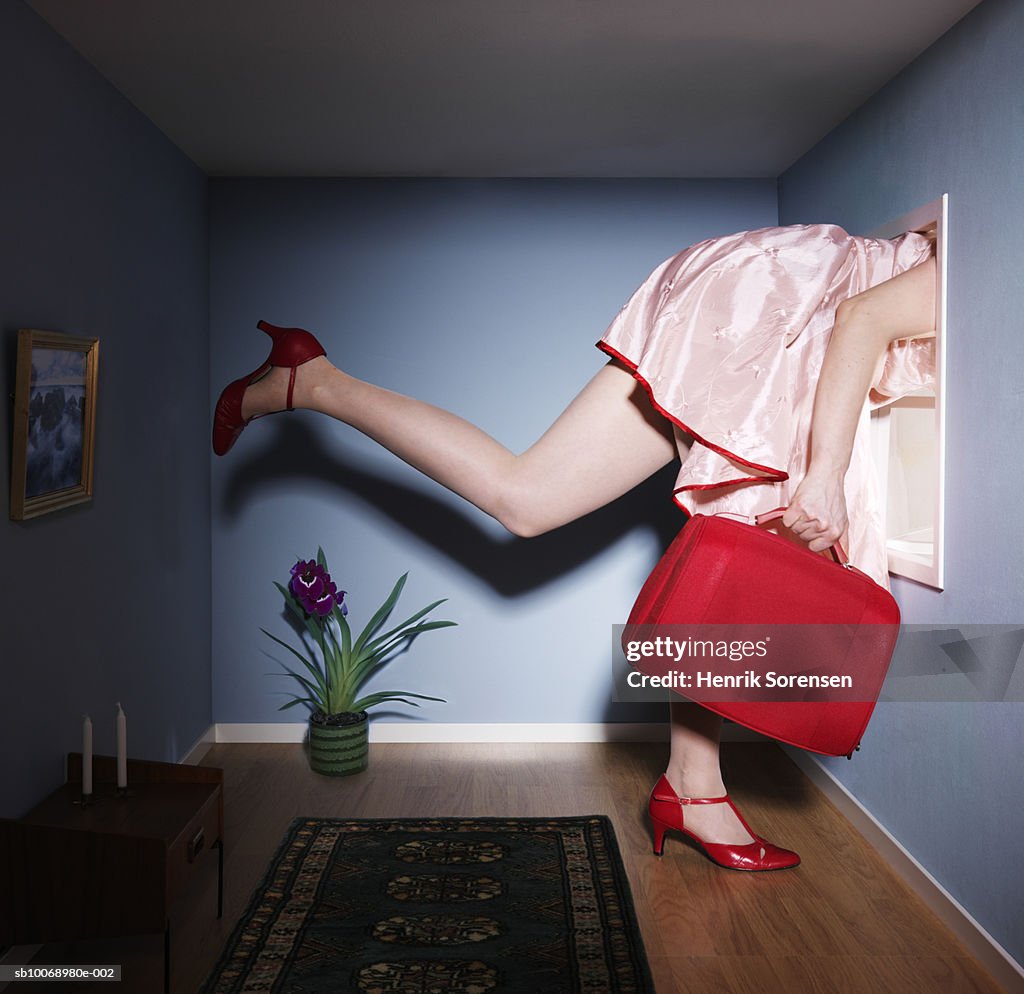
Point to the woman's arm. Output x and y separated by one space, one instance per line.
902 307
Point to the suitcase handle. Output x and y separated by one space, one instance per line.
837 550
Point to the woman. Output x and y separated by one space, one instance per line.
749 357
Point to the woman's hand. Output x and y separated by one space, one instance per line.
817 511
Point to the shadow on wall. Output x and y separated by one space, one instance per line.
510 566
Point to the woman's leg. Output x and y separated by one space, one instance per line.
694 770
606 441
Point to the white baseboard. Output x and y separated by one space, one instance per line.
413 731
200 747
1003 967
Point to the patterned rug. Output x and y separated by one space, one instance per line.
439 906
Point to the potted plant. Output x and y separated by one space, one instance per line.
338 664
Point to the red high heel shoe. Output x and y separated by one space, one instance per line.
292 347
666 811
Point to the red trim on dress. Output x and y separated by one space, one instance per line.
678 503
777 475
715 486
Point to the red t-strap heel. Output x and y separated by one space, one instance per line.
292 347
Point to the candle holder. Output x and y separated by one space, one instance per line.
85 800
125 792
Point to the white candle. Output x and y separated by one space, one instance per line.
122 748
86 755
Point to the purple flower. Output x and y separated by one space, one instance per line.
313 588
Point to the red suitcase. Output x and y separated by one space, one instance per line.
723 572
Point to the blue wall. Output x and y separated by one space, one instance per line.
485 297
105 235
946 779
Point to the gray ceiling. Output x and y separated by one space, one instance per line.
577 88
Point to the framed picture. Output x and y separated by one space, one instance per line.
54 422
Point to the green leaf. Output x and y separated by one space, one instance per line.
366 662
380 652
309 663
346 633
339 676
311 666
305 683
298 700
382 614
361 669
371 700
365 702
405 624
312 626
349 681
289 602
338 666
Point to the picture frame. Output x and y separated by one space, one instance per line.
54 422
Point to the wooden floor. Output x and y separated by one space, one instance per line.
841 923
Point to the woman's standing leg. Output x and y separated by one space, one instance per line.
694 770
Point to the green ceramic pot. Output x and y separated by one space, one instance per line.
338 743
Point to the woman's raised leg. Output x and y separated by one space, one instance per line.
606 441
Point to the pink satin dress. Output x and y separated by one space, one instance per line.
728 338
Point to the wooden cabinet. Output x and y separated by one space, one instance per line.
115 866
